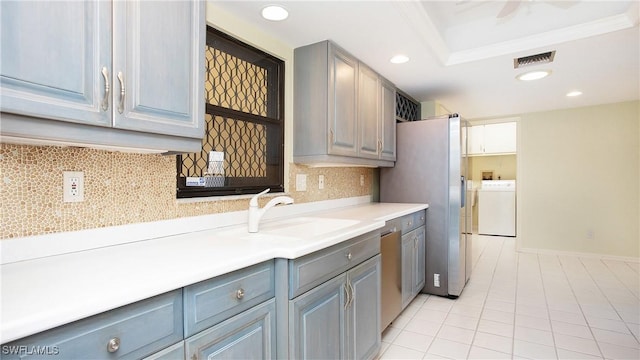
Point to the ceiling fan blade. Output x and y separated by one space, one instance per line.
508 9
563 4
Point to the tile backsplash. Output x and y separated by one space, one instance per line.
123 188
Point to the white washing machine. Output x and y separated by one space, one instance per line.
497 208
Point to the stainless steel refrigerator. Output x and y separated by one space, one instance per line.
431 167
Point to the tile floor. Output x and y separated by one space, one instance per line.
525 306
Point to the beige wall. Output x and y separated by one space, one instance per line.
578 180
129 188
503 166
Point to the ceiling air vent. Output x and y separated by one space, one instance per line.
536 59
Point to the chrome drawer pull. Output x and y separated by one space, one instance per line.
107 89
113 345
349 256
240 294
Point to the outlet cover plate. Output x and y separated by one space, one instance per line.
73 186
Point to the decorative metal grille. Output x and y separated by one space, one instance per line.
243 143
244 125
406 109
235 84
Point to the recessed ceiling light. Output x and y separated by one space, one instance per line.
533 75
399 59
574 93
275 13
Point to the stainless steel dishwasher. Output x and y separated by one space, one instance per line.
391 254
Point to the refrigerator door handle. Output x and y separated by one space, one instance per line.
463 192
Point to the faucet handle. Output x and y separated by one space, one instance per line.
254 199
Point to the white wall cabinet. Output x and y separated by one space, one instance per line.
344 112
104 73
492 139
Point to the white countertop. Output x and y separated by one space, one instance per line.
42 293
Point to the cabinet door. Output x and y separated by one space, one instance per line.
343 74
248 335
475 140
419 260
52 56
407 268
363 311
159 67
388 121
368 112
500 138
317 328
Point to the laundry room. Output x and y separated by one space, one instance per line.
492 169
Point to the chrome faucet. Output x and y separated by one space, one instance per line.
255 213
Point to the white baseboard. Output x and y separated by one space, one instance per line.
579 254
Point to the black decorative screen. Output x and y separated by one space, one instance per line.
406 108
242 150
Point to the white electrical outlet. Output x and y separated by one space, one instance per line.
73 186
436 280
320 182
301 182
361 180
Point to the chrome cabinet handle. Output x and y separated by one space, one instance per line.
107 89
113 345
240 294
349 256
346 295
352 294
122 92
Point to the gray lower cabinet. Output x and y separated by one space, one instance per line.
338 318
413 264
317 328
103 73
130 332
248 335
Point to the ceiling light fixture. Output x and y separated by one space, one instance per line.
574 93
533 75
275 13
399 59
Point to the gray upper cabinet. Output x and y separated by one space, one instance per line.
343 75
109 74
376 115
341 109
368 112
159 53
52 56
388 121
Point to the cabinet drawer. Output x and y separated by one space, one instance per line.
212 301
313 269
129 332
413 221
